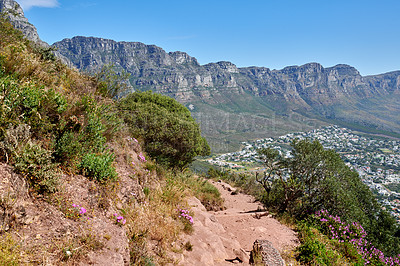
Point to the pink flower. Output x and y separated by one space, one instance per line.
142 158
82 211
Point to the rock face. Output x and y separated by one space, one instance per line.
179 75
15 15
337 93
175 74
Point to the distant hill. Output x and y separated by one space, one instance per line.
234 104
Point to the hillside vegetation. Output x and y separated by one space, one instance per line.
76 184
338 218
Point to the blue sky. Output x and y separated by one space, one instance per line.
270 33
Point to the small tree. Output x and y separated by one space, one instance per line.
170 133
112 83
314 179
271 159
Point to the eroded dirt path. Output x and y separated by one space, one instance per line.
229 234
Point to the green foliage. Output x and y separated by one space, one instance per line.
46 53
170 134
29 104
35 163
8 34
314 179
317 249
98 166
88 134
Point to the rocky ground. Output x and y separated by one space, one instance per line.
227 236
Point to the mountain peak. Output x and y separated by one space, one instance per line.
344 70
183 58
15 15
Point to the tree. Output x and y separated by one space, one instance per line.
314 179
271 159
170 134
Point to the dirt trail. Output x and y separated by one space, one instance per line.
229 234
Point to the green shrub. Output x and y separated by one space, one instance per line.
30 104
35 163
86 134
170 134
68 148
315 179
315 248
98 166
93 134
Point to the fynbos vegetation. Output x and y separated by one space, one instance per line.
63 131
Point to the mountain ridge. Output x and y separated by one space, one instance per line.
221 90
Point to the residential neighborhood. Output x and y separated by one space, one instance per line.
376 159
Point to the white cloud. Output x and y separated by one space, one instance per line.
27 4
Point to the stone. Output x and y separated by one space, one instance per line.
264 253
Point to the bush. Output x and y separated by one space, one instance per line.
110 82
85 132
313 179
170 134
315 250
35 164
30 104
98 166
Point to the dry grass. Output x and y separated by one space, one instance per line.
10 250
154 225
151 226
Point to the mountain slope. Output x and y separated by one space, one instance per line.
220 90
14 13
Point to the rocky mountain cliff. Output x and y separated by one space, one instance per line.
222 91
180 75
176 74
14 13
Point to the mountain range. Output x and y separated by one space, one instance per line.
236 104
233 104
